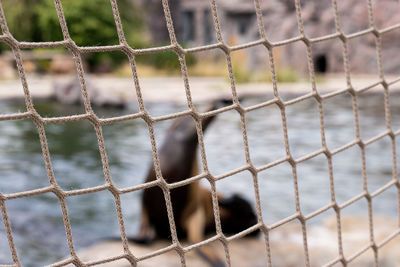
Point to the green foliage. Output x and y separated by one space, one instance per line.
284 75
287 75
43 65
167 60
242 75
90 22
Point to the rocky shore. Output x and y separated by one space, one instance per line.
171 89
286 246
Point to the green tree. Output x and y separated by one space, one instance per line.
90 23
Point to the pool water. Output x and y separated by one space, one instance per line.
36 221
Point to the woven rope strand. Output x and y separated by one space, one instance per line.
131 52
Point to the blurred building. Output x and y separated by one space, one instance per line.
194 26
193 20
237 19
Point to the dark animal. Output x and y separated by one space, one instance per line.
192 204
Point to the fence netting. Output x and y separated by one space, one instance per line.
277 100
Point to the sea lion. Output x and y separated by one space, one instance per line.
192 204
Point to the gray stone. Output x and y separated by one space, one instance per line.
62 63
70 93
7 71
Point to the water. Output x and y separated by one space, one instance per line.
37 224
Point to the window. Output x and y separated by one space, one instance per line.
188 26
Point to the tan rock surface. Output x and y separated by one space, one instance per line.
286 246
249 251
171 89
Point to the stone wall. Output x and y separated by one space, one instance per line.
194 27
318 17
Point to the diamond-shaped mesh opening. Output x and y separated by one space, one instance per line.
102 18
242 24
353 16
220 151
385 213
134 19
131 210
8 64
322 238
163 89
379 168
43 26
91 216
21 163
371 108
291 75
11 87
387 253
355 227
211 64
252 74
129 158
109 96
256 256
38 229
315 23
347 173
237 214
287 237
152 9
276 186
303 140
313 178
328 65
62 94
198 207
193 24
273 28
46 61
362 51
265 134
389 55
365 258
385 19
193 259
339 121
175 138
73 145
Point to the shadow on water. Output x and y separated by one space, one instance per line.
37 222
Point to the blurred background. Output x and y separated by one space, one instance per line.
92 24
52 80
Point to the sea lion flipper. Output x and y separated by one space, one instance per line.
147 233
195 225
204 253
139 239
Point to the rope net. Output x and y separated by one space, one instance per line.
98 123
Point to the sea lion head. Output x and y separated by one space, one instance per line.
184 129
236 214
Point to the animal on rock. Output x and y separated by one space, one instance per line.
192 203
